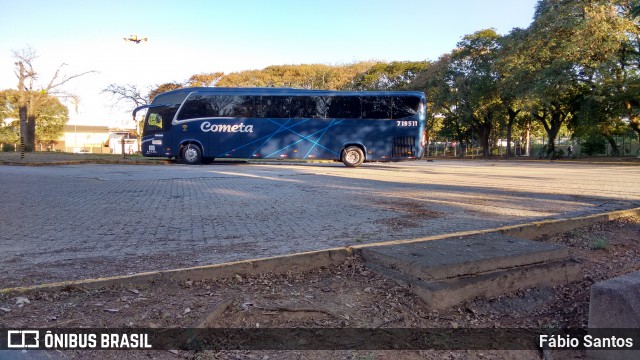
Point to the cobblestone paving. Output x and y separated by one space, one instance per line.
80 221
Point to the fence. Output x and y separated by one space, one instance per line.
444 148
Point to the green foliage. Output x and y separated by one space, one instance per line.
7 147
598 244
9 123
556 154
206 79
50 121
305 76
396 75
51 116
159 89
593 144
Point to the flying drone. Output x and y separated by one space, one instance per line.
135 39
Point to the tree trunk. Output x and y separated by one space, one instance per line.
552 127
634 122
24 125
31 131
23 108
508 153
551 146
615 151
528 139
512 118
485 136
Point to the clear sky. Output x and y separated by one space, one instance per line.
188 37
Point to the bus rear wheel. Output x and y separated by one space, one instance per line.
191 154
352 156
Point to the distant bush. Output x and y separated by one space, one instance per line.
7 147
556 154
593 145
598 244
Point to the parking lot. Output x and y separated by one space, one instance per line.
80 221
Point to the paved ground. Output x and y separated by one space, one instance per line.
78 221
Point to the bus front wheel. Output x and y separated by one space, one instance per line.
191 154
352 156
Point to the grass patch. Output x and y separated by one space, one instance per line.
598 244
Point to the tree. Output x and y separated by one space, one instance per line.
32 101
544 62
50 119
472 76
205 79
511 88
443 112
50 123
574 59
621 78
134 97
396 75
305 76
9 120
129 94
159 89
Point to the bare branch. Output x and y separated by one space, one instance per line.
125 93
33 102
66 79
26 57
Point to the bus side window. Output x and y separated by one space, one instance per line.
404 106
276 106
194 107
322 106
242 106
347 107
308 107
376 107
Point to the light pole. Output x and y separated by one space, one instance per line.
136 40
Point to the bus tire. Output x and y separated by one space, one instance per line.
352 156
191 154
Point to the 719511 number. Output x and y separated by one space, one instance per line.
407 123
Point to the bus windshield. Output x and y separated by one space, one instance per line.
158 119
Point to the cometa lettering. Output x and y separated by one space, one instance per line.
208 127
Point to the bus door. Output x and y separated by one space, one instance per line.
156 140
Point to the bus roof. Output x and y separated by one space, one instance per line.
177 96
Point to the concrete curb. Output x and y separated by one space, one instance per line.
315 259
279 264
525 231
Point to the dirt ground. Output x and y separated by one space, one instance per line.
348 296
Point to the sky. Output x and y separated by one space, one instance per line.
189 37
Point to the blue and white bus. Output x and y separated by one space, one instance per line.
200 124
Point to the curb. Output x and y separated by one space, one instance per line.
315 259
278 264
525 231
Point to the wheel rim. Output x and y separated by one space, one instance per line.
190 154
352 157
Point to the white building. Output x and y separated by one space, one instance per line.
96 139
